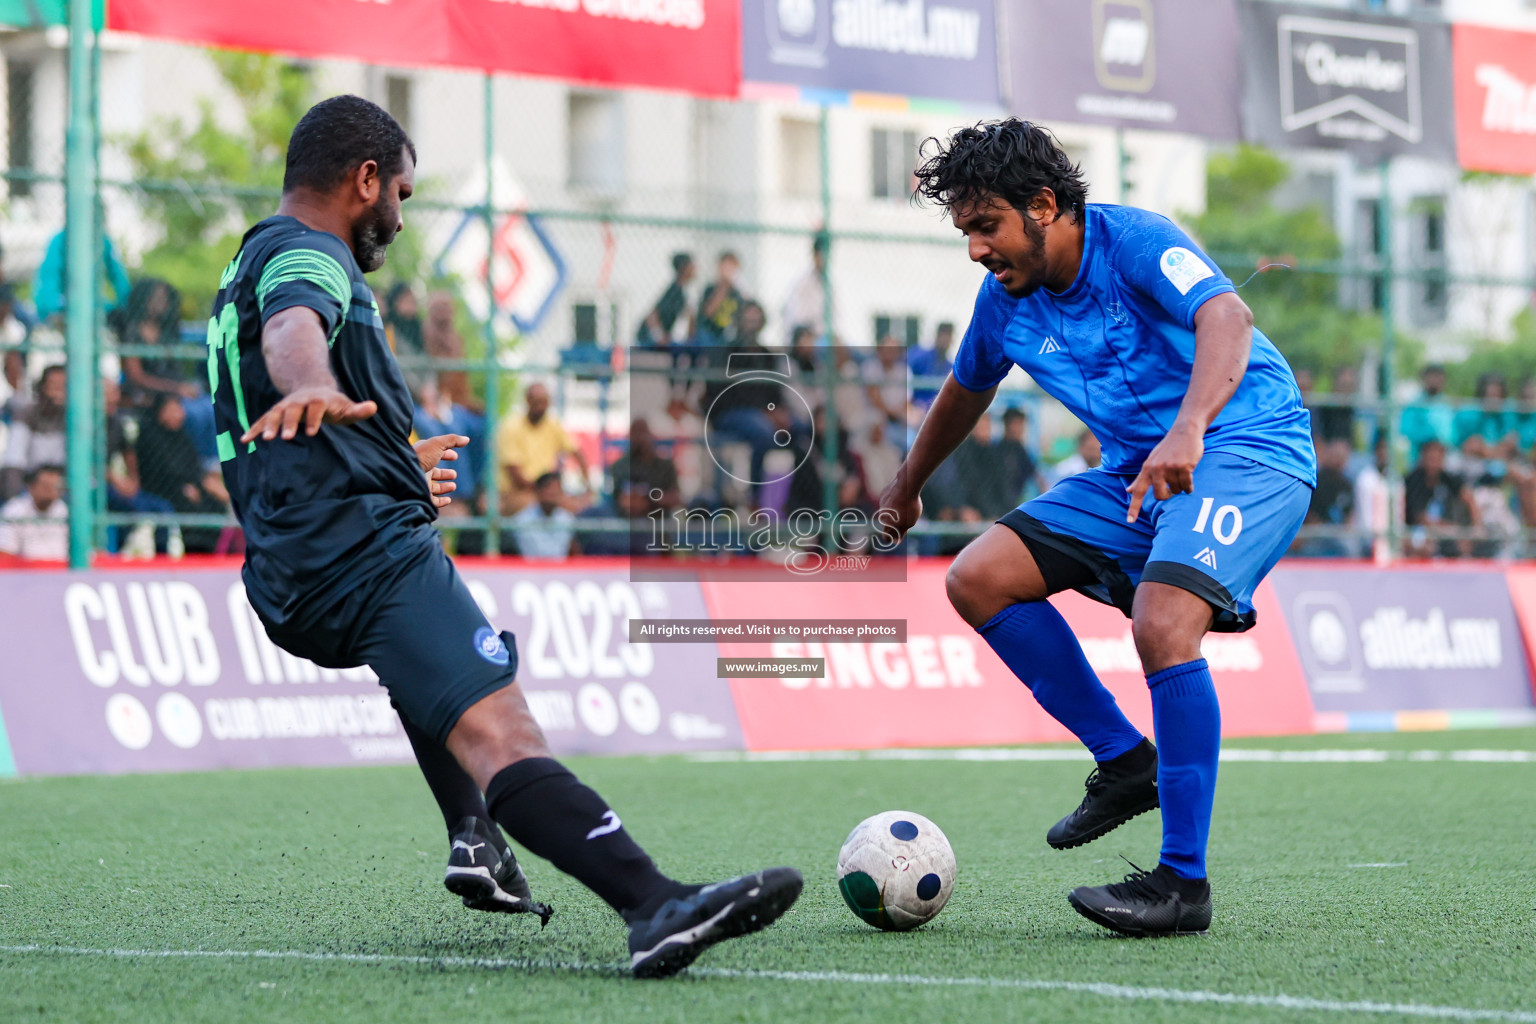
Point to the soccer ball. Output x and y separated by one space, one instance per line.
896 870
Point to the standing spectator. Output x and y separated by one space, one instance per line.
807 302
1373 497
931 362
1430 417
1337 422
546 528
530 445
1434 498
721 304
1015 465
659 328
443 341
1333 501
170 468
437 414
37 439
1086 457
152 317
753 409
50 286
19 400
37 541
402 328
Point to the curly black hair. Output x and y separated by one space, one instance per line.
1010 160
338 135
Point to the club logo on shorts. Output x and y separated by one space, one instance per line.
1207 556
489 645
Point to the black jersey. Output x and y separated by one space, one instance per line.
321 514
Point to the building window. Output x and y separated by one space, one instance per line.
19 82
799 158
906 329
893 156
584 323
397 100
1370 246
1429 255
596 142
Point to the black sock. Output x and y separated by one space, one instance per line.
547 809
1138 759
456 794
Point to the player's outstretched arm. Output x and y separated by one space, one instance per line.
953 415
299 362
1223 340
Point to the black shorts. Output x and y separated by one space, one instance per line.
419 628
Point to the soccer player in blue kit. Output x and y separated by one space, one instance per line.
344 567
1207 473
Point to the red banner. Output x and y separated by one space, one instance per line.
689 45
1495 99
945 686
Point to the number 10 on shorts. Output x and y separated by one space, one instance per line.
1228 521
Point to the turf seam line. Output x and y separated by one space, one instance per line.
1130 992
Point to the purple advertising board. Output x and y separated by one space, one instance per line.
938 49
1170 65
128 671
1404 640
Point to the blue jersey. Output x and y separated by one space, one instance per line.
1118 346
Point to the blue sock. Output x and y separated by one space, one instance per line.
1037 644
1186 720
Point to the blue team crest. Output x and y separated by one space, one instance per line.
489 645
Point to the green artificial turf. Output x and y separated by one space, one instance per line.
349 862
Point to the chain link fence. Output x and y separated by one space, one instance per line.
625 230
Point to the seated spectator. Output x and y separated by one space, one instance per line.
46 541
19 400
170 468
1429 417
1373 496
885 383
751 409
125 494
1495 512
49 284
643 471
660 326
530 445
931 362
437 414
679 434
1086 457
1020 473
721 304
1337 422
545 528
152 317
1435 498
1333 501
1490 430
879 459
37 438
982 491
441 339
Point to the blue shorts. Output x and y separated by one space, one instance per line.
1216 543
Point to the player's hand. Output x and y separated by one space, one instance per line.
307 407
1169 470
900 508
431 451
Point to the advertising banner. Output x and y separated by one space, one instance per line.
1377 86
689 45
171 671
1405 641
941 49
1495 99
1164 64
945 687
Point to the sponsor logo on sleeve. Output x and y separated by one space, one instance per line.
1184 269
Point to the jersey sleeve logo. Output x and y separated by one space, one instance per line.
1184 269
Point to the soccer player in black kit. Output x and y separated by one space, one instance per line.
344 566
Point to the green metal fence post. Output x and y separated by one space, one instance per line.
829 362
492 363
80 301
1389 354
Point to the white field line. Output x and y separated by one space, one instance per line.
1061 754
1101 989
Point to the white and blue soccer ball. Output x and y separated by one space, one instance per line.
896 870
